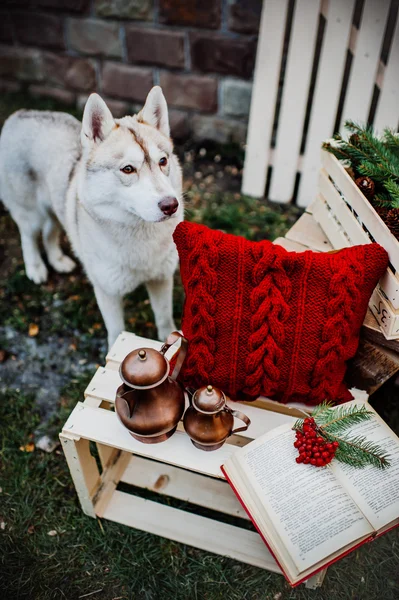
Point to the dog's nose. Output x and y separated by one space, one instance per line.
168 205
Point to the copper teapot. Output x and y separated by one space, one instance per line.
150 402
209 421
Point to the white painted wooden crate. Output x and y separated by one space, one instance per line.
174 468
347 219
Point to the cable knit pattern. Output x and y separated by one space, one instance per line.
344 300
203 282
263 321
270 311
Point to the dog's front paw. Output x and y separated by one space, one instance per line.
163 332
37 272
63 264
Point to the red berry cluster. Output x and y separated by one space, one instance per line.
312 448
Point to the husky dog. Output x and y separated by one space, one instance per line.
113 184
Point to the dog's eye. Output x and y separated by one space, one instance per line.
163 162
128 169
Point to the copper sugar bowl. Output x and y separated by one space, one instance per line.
150 403
209 421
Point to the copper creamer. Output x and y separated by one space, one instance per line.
209 421
150 403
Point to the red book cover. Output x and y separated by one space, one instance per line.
368 539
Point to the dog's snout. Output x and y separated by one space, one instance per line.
168 205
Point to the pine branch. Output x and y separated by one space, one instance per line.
382 200
359 452
331 421
391 140
334 421
371 157
375 148
336 150
376 171
392 188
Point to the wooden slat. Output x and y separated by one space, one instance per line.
103 426
83 469
309 233
372 332
326 94
366 213
365 62
104 384
354 231
295 95
110 477
372 366
331 228
290 245
267 71
179 483
341 211
126 342
187 528
387 114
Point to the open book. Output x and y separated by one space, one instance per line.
309 517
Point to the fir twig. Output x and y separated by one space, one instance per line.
359 452
332 421
373 157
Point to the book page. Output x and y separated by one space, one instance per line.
374 490
308 506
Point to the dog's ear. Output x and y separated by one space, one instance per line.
155 111
97 122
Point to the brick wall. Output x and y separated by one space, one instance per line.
201 52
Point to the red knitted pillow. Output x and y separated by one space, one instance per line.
264 321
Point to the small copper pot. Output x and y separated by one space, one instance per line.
150 403
209 421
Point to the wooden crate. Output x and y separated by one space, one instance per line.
347 219
174 468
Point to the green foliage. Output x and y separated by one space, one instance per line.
371 156
358 451
333 421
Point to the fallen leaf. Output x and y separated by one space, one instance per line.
28 447
31 529
52 533
33 330
2 526
74 298
97 326
3 355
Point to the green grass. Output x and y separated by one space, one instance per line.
86 555
37 495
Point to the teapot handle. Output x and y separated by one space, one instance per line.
242 417
170 340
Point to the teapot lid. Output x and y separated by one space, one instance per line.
144 368
209 400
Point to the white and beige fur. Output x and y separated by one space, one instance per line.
54 170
